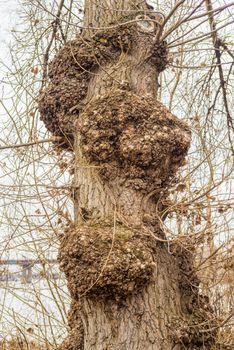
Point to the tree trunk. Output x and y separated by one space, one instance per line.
101 13
130 288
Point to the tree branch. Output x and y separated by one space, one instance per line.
217 42
52 139
55 25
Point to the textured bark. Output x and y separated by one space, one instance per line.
143 320
130 289
100 13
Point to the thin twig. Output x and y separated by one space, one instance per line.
55 25
217 42
52 139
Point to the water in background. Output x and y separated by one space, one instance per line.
38 308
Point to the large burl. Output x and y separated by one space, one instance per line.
101 102
102 93
95 61
135 138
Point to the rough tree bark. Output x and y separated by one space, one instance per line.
130 288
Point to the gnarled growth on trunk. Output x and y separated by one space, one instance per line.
130 288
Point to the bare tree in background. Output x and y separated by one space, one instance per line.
133 284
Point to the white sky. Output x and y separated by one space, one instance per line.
8 17
10 302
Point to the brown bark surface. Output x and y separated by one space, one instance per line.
130 288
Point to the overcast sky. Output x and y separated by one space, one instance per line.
8 18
